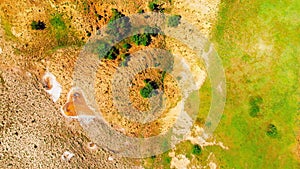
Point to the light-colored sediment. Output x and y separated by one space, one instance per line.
199 138
52 87
179 161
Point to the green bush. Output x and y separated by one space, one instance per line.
196 149
105 51
140 11
174 20
146 92
38 25
154 31
126 46
141 39
153 6
272 131
254 105
125 59
118 25
167 160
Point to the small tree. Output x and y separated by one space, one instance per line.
126 46
272 131
174 20
153 6
196 149
141 39
147 91
125 59
154 31
105 51
38 25
118 25
255 105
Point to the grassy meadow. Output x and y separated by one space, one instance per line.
259 43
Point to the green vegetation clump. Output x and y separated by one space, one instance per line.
196 150
254 105
86 7
153 6
105 51
57 22
167 160
154 31
147 91
140 11
59 28
141 39
125 59
174 20
272 131
118 25
37 25
145 38
163 75
126 46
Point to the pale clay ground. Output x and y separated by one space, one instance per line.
202 14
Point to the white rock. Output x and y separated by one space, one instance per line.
92 146
110 158
67 155
55 89
212 165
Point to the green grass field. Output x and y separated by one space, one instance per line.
259 43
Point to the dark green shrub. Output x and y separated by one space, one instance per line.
153 157
140 11
272 131
254 105
115 15
154 31
105 51
174 20
38 25
118 25
163 75
125 59
126 46
196 149
141 39
153 6
147 91
167 160
88 34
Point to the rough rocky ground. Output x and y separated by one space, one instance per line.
35 135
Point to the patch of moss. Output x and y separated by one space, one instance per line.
59 28
174 20
7 29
